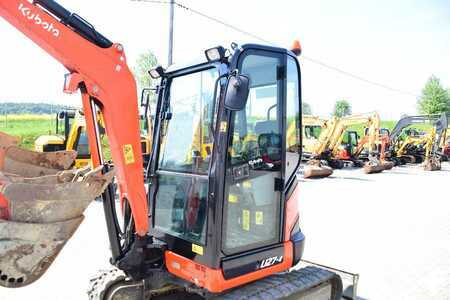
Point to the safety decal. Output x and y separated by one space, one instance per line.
197 249
246 219
128 154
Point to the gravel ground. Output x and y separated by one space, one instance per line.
391 228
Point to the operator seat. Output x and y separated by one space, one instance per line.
269 140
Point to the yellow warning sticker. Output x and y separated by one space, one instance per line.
246 219
128 154
247 184
232 198
259 218
197 249
223 126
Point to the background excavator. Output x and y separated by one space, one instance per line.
371 142
329 148
408 145
196 228
71 134
311 129
359 148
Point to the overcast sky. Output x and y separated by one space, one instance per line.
397 43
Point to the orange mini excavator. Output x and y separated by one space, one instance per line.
219 223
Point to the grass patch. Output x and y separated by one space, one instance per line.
30 127
27 127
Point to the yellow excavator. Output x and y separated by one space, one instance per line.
328 150
409 145
368 151
311 129
72 136
371 122
318 165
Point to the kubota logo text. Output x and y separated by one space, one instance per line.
36 18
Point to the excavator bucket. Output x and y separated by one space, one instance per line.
432 164
316 169
38 216
372 167
388 165
28 163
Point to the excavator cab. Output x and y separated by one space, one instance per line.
226 208
222 185
350 142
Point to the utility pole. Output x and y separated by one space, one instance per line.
172 7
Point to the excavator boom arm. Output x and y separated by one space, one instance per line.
99 70
371 120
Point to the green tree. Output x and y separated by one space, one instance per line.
342 108
306 108
434 99
144 63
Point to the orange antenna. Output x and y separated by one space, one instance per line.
296 48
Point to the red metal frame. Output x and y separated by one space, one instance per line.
104 78
213 280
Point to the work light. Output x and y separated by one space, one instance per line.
157 72
215 54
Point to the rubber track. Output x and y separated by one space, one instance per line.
99 284
277 286
283 285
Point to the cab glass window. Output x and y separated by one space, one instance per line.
293 116
252 202
187 143
186 148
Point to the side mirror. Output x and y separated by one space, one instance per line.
238 87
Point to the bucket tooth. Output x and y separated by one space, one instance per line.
28 249
28 163
316 169
37 217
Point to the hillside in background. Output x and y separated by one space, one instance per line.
10 108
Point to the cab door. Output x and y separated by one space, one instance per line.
254 181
